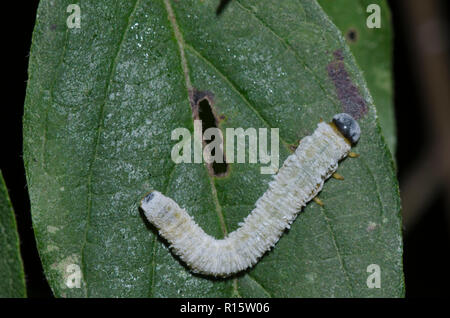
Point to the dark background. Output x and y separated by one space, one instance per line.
421 64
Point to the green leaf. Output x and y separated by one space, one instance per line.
102 101
372 49
12 278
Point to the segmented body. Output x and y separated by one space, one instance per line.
298 181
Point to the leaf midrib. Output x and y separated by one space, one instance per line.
180 41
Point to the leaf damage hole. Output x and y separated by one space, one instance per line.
203 110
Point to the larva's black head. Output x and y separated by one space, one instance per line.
347 126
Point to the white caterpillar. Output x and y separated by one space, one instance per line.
298 181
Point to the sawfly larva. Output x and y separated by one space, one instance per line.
297 182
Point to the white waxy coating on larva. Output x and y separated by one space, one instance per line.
298 181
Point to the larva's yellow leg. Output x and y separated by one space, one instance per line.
352 154
337 176
318 201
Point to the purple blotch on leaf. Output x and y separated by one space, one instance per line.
351 100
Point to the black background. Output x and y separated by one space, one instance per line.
425 246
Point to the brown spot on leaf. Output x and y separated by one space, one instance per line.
196 96
352 35
351 100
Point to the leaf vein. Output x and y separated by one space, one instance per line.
260 285
336 247
290 48
97 140
236 89
181 45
